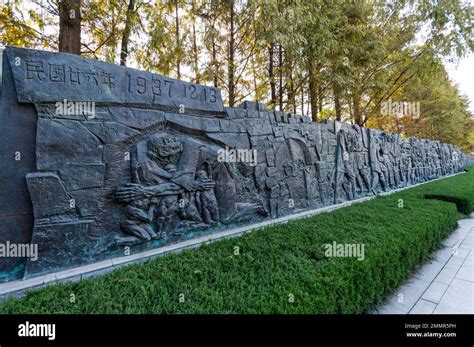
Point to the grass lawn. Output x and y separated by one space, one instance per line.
280 269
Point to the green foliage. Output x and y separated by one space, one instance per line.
277 263
103 23
24 28
444 115
340 60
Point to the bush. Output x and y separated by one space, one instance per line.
458 190
280 269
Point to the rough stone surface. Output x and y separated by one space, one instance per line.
147 161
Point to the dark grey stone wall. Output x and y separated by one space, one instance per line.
154 161
17 137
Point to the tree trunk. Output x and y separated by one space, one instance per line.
313 94
214 59
254 78
337 103
195 49
302 99
230 65
70 26
126 33
320 98
291 105
254 69
357 112
178 55
280 72
271 76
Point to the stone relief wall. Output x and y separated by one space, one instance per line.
157 161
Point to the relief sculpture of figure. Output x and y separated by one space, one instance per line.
386 146
395 148
406 164
167 207
154 173
139 215
435 147
417 159
174 171
377 165
206 202
345 176
359 157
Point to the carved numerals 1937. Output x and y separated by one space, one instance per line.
162 87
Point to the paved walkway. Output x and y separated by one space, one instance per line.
443 286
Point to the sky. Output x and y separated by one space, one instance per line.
462 74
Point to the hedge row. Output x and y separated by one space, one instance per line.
458 190
280 269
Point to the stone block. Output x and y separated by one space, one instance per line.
48 195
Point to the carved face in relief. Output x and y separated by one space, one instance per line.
201 174
164 150
141 203
406 149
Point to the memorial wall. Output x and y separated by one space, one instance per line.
97 158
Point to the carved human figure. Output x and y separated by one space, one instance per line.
396 158
359 159
437 159
206 202
167 207
139 217
406 164
151 179
345 176
377 164
418 159
448 159
385 149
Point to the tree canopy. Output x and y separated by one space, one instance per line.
339 60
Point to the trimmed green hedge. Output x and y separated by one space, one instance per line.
280 269
459 192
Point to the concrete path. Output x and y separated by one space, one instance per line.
443 286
